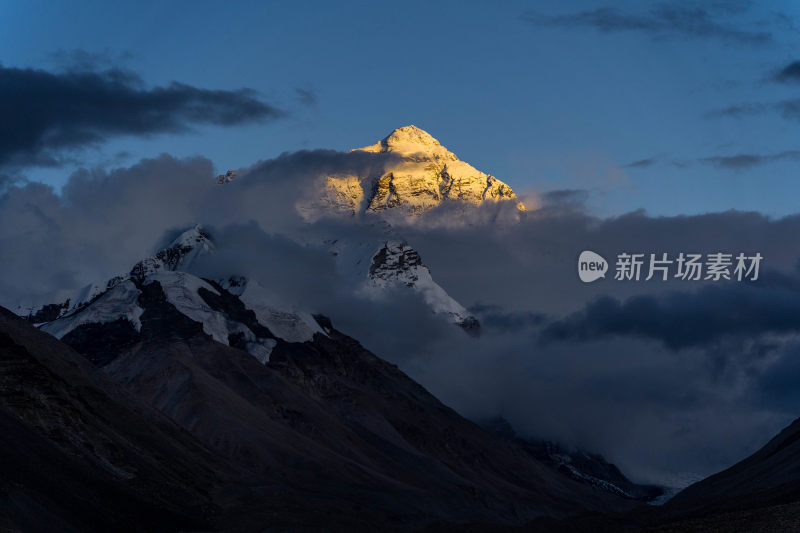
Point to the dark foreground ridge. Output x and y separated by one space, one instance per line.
80 454
166 429
760 494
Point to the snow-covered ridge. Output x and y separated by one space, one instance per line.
397 263
178 255
120 301
285 323
119 298
425 175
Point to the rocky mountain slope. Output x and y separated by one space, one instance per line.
272 389
768 477
760 494
583 466
328 414
324 434
156 329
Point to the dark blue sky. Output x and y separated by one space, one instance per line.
544 95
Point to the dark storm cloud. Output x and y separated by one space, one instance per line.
663 20
45 114
685 319
745 161
788 74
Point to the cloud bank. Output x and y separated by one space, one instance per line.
659 376
46 115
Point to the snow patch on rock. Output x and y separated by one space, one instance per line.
181 290
397 263
121 301
289 325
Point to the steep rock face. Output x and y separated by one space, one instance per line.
424 175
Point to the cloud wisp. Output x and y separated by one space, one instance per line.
642 163
662 21
735 162
788 74
746 161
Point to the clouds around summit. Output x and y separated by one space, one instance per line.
670 356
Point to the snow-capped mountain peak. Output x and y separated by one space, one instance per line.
181 252
221 308
397 262
178 255
377 267
409 141
424 175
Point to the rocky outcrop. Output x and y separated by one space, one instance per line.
397 263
